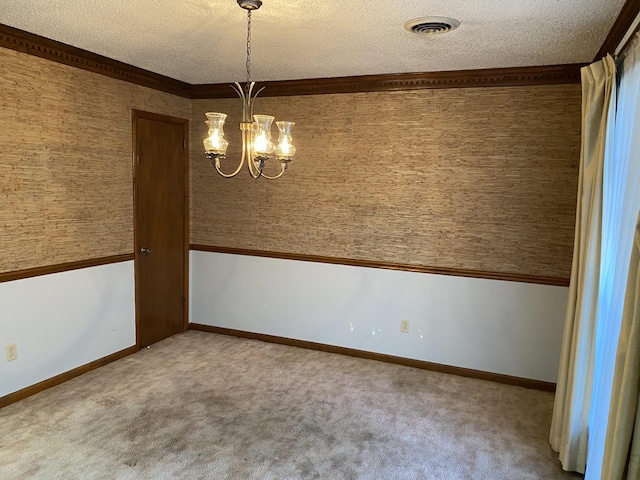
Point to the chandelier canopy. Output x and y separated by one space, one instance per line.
257 146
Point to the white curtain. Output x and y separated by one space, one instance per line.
569 427
596 402
622 447
612 412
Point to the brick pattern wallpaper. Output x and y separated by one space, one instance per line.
66 190
471 178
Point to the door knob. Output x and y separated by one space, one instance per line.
145 251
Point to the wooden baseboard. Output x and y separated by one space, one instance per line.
408 362
63 377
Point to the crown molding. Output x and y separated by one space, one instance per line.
29 43
25 42
629 12
495 77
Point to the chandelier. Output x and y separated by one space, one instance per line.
257 146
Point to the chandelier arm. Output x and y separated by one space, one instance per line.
254 171
284 167
249 128
246 147
253 174
228 175
240 91
253 100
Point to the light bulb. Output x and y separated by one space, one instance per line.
215 143
262 145
285 149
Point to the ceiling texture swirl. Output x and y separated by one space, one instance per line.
203 41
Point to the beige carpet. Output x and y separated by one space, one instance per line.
206 406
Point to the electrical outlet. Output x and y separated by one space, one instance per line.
404 326
12 352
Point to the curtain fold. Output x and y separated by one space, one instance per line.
620 440
621 202
569 427
622 447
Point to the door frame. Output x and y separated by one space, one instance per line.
136 114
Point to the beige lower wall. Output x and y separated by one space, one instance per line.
473 178
66 190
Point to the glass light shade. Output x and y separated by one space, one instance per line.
262 144
215 142
285 148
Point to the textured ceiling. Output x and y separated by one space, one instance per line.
203 41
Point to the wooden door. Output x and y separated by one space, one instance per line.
161 225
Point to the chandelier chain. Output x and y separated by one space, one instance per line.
248 64
257 147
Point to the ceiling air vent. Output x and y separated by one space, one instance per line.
431 25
